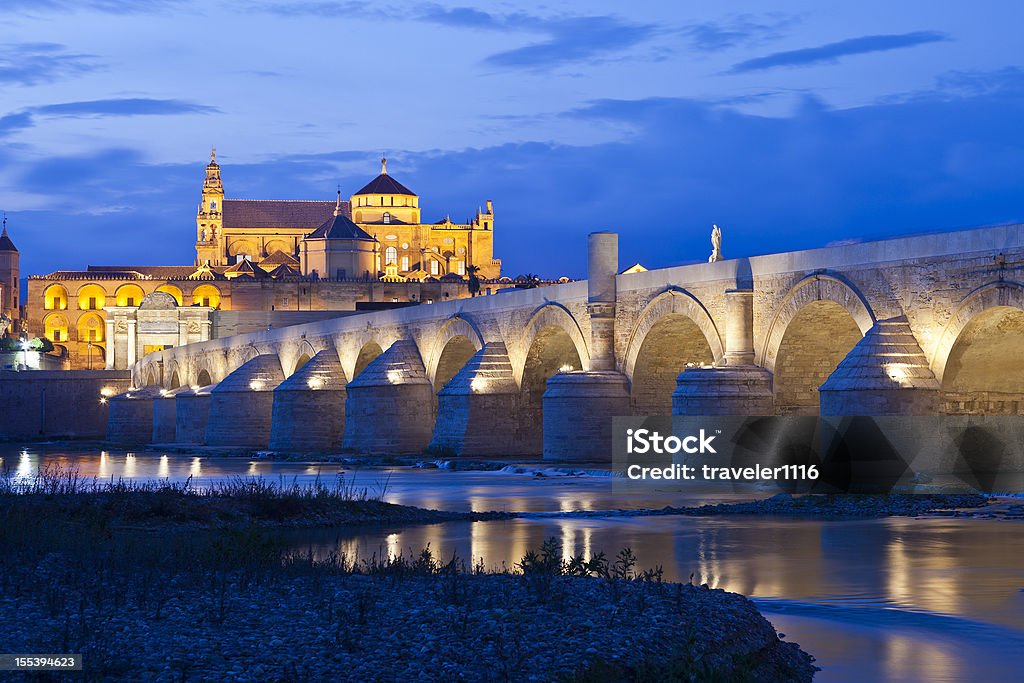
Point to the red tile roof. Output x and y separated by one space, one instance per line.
278 213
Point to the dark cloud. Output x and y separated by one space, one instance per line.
800 181
35 63
138 106
831 52
567 39
12 123
742 30
573 40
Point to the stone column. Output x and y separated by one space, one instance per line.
390 406
739 327
602 267
182 331
241 406
478 409
111 345
132 342
309 407
130 418
579 406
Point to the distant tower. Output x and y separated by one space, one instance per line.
210 218
10 274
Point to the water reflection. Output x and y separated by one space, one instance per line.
934 599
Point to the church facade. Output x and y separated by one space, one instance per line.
264 232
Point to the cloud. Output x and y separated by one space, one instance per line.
35 63
830 53
574 39
124 107
745 29
141 106
567 39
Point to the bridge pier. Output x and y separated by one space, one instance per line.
309 406
165 415
478 409
579 406
886 373
390 406
241 406
130 419
192 414
578 412
736 386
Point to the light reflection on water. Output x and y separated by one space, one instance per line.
934 599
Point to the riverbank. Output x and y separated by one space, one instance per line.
60 495
223 603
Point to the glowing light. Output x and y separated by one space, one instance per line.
565 368
479 385
165 393
897 372
107 392
315 383
256 385
394 376
103 400
163 469
195 387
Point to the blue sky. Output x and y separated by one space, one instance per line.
791 124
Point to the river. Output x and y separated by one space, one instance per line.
896 599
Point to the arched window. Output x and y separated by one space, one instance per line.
213 206
390 256
387 217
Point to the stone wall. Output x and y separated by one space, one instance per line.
54 404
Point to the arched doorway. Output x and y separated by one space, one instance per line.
204 379
984 373
672 344
815 341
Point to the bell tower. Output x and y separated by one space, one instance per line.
10 275
210 217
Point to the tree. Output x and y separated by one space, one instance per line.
474 281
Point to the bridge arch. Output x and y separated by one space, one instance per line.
294 358
455 343
818 322
542 323
673 330
978 356
816 287
203 378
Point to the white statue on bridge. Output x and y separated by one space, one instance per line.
716 244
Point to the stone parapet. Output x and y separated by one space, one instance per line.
241 406
390 406
578 412
309 406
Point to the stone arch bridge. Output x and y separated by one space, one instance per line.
927 324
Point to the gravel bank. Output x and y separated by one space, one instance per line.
168 627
